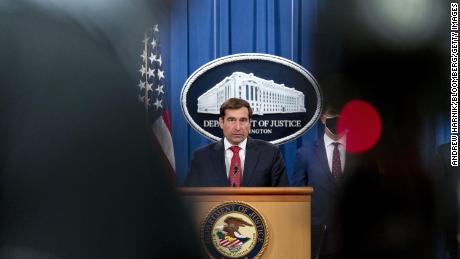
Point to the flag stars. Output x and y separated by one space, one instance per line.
160 74
141 85
143 99
158 104
159 60
151 72
142 70
159 89
149 87
152 58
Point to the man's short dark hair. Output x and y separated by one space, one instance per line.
330 111
234 104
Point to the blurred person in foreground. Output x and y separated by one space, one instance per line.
79 178
399 64
447 183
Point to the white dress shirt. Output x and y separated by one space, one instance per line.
328 143
229 154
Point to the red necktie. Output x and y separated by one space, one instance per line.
336 164
234 175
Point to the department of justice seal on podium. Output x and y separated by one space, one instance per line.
234 230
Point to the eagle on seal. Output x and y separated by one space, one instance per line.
232 224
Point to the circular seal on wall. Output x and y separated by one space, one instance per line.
234 230
285 98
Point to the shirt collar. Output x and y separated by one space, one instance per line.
242 144
328 141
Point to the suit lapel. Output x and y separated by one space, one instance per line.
218 161
250 162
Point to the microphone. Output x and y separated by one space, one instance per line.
235 171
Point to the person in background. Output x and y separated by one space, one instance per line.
322 165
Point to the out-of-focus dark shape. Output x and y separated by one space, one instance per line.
396 24
382 218
384 52
79 177
362 123
447 179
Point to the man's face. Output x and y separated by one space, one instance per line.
235 125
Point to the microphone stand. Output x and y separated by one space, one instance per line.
321 239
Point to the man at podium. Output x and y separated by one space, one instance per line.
237 160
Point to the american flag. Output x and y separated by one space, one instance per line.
153 94
228 243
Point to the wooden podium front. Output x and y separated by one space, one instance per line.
286 212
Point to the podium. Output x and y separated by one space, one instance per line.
285 211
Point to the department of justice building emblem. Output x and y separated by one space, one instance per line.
234 230
285 98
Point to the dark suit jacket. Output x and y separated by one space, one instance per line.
312 169
263 166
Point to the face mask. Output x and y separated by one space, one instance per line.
331 124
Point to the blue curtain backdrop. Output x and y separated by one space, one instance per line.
203 30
